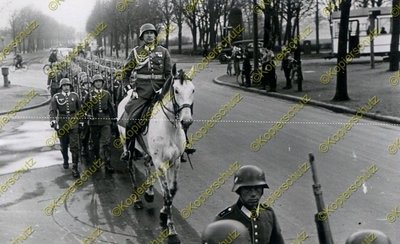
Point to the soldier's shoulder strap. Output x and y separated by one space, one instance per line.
76 94
225 212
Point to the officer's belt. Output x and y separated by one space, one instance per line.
152 76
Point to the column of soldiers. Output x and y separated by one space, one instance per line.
70 90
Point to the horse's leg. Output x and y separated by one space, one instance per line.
174 177
163 180
149 193
173 184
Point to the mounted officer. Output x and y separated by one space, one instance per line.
150 66
261 222
103 113
64 106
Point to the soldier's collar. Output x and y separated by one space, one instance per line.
249 213
149 47
98 90
65 93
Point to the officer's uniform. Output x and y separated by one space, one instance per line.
263 229
103 112
151 72
64 107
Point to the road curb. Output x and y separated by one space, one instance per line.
30 107
332 107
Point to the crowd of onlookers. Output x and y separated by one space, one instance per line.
268 64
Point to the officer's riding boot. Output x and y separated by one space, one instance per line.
75 160
187 149
126 155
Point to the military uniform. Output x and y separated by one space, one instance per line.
263 229
84 130
103 113
64 107
152 69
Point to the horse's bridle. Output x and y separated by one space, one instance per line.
176 108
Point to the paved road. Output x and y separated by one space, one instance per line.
227 142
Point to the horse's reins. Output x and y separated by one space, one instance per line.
176 110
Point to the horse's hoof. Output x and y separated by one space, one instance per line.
138 205
148 197
163 220
173 239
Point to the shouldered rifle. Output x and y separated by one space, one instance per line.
324 231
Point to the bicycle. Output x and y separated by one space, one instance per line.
47 68
24 66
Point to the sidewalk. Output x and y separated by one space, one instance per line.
362 83
12 95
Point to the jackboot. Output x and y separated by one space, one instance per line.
65 157
75 160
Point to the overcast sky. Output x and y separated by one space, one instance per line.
73 13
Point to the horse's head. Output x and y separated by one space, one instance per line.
182 97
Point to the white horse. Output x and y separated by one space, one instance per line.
165 141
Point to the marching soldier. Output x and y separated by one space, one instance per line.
64 105
103 113
261 222
225 231
84 130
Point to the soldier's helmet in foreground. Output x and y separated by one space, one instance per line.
368 237
226 231
147 27
249 175
65 81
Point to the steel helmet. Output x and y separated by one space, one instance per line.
249 175
225 231
65 81
368 236
97 77
147 27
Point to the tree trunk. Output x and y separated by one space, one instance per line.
341 83
394 45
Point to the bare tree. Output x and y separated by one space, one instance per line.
394 45
341 83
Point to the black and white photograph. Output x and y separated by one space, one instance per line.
200 121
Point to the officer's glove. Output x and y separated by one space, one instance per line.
134 95
52 123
